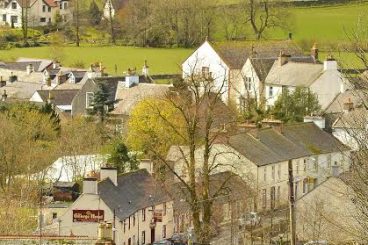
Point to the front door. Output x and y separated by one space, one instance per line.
153 235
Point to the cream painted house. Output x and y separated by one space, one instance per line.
227 63
261 158
325 80
39 12
138 208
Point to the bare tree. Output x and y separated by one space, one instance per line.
195 117
263 15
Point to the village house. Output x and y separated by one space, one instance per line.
60 99
261 158
228 64
111 7
135 204
39 12
325 80
328 213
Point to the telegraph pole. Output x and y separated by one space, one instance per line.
292 204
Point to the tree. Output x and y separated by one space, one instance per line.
120 157
293 106
100 101
25 4
192 115
263 15
28 144
58 20
94 14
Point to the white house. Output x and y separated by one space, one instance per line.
39 12
134 203
261 158
239 68
325 80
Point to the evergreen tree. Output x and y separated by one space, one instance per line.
120 158
100 101
94 14
293 106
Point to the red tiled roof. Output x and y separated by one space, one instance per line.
51 3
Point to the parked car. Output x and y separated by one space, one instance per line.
162 242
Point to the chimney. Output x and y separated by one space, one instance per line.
318 121
348 106
330 64
131 78
111 173
4 96
56 64
145 69
314 52
90 185
283 58
29 69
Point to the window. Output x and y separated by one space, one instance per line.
279 171
4 17
49 20
129 223
43 8
296 190
65 5
14 5
143 237
297 168
129 241
305 185
278 195
164 211
248 83
144 214
89 100
305 165
270 91
264 173
14 19
42 19
164 231
273 196
264 198
54 215
124 226
273 172
49 9
206 71
133 220
134 242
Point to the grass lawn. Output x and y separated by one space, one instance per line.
160 60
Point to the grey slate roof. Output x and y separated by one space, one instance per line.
135 191
267 146
357 97
127 98
294 74
111 84
59 97
22 66
235 54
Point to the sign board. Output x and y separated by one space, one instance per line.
88 215
157 215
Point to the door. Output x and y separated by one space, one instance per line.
153 235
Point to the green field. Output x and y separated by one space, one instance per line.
160 60
325 25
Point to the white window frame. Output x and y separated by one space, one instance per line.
89 105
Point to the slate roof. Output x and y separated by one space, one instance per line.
78 75
22 66
111 84
294 74
355 119
135 191
266 146
59 97
235 54
357 97
127 98
21 90
44 62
